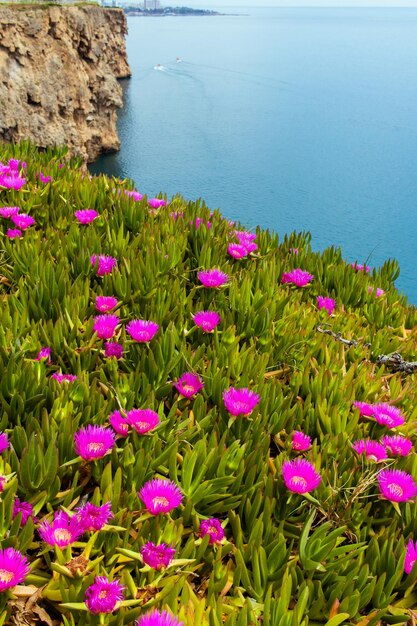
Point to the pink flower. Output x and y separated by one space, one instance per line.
14 567
212 278
156 618
206 320
373 450
156 203
160 496
365 409
4 442
103 596
326 303
105 303
294 251
63 531
142 330
44 353
396 485
240 401
113 349
213 528
93 442
22 220
198 222
44 179
188 385
105 325
297 277
237 251
64 378
410 556
137 197
378 292
13 233
86 216
157 556
8 211
92 517
360 268
105 264
300 441
25 508
119 423
387 415
244 237
397 445
142 420
12 181
300 476
3 481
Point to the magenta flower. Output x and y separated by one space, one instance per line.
8 211
237 251
157 556
25 508
160 496
103 596
156 618
212 278
300 476
44 179
207 320
397 445
64 378
387 415
365 409
156 203
297 277
142 420
410 556
14 567
92 517
105 325
86 216
188 385
44 353
105 264
240 401
198 222
93 442
119 423
244 237
300 441
63 531
213 528
360 268
105 303
12 181
142 330
294 251
373 450
326 303
378 291
22 220
13 233
113 349
3 481
4 442
137 197
396 485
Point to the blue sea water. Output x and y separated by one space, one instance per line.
293 119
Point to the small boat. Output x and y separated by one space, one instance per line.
158 66
179 60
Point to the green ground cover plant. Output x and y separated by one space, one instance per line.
196 426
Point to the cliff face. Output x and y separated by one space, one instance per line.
58 76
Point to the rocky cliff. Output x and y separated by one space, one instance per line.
59 67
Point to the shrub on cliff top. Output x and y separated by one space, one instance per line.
190 435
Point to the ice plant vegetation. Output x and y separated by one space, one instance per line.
160 496
285 447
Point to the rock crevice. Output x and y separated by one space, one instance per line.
59 67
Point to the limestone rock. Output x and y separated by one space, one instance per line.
59 67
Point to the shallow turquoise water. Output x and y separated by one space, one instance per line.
293 119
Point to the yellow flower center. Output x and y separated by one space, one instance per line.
6 576
95 447
102 594
395 489
62 535
299 480
160 501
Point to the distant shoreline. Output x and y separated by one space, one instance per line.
169 12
